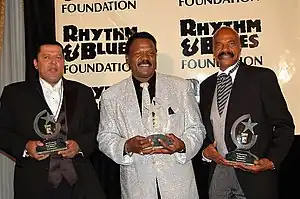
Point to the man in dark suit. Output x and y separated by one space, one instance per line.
250 98
30 111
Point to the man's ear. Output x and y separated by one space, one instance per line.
35 64
127 61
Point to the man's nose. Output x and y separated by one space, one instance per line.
144 56
53 60
225 47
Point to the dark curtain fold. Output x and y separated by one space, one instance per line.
39 19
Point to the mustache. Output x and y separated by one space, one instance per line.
144 62
231 54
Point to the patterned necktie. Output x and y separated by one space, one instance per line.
146 106
224 85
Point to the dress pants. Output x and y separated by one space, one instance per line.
224 184
63 191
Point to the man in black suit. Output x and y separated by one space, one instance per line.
32 108
240 91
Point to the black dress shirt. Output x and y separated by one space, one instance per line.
139 89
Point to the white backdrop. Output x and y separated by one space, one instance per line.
94 34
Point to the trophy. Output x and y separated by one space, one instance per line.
243 137
159 123
50 132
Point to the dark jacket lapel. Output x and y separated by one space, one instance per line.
36 85
207 91
211 91
69 97
238 88
69 100
233 109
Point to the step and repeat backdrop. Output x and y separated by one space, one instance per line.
94 34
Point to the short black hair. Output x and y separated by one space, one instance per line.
45 42
139 35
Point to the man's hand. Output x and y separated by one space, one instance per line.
211 153
139 144
176 146
259 166
72 149
31 150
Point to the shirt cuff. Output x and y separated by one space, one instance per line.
204 158
273 166
125 152
25 154
81 153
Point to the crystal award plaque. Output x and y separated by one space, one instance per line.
48 129
242 135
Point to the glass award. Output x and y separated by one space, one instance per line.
159 123
48 129
242 135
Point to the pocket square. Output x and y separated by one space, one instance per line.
170 111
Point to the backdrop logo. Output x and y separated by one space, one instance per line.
89 44
210 2
196 40
105 6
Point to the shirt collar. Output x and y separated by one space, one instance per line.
227 69
151 81
49 87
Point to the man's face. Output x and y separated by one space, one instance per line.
50 63
141 59
226 47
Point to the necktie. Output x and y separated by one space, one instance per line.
146 107
224 85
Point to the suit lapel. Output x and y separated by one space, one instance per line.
131 105
210 92
159 89
238 88
206 100
38 88
69 100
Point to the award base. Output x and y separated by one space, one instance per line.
51 146
241 156
156 144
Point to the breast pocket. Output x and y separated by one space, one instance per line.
175 120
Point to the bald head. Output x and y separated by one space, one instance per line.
225 30
226 47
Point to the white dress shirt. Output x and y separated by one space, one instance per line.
233 74
53 96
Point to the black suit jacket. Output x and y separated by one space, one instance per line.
20 103
256 92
